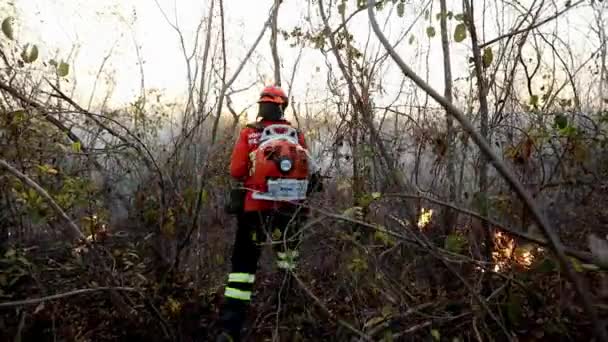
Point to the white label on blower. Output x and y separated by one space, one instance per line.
283 190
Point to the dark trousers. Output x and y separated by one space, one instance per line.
253 230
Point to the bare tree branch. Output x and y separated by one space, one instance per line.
531 27
238 70
273 43
362 105
71 229
447 79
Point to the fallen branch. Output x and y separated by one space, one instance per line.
554 241
385 323
63 295
423 325
71 229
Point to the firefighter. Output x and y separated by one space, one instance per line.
259 218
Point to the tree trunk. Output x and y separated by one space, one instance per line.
273 43
484 234
450 155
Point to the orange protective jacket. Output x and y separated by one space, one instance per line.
247 142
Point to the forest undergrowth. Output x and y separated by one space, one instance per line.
478 214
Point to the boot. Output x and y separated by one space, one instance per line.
225 337
232 320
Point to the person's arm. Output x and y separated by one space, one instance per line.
316 181
302 140
239 162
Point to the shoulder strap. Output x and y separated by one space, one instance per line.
258 126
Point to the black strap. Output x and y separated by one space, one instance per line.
258 126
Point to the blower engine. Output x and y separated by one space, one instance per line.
279 166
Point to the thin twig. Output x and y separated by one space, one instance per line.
423 325
63 295
385 322
531 27
359 10
20 327
273 43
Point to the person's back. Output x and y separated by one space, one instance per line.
241 163
261 209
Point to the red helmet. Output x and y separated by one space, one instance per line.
274 94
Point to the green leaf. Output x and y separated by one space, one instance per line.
488 57
514 308
374 321
534 100
7 28
376 195
63 69
430 31
412 39
400 9
565 102
480 202
545 266
29 54
460 33
560 121
459 17
365 200
76 146
342 8
568 131
436 335
384 238
46 168
455 243
204 196
448 15
576 264
10 253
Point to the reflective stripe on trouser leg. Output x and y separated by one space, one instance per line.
240 285
237 294
241 278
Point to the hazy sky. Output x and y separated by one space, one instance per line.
96 27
